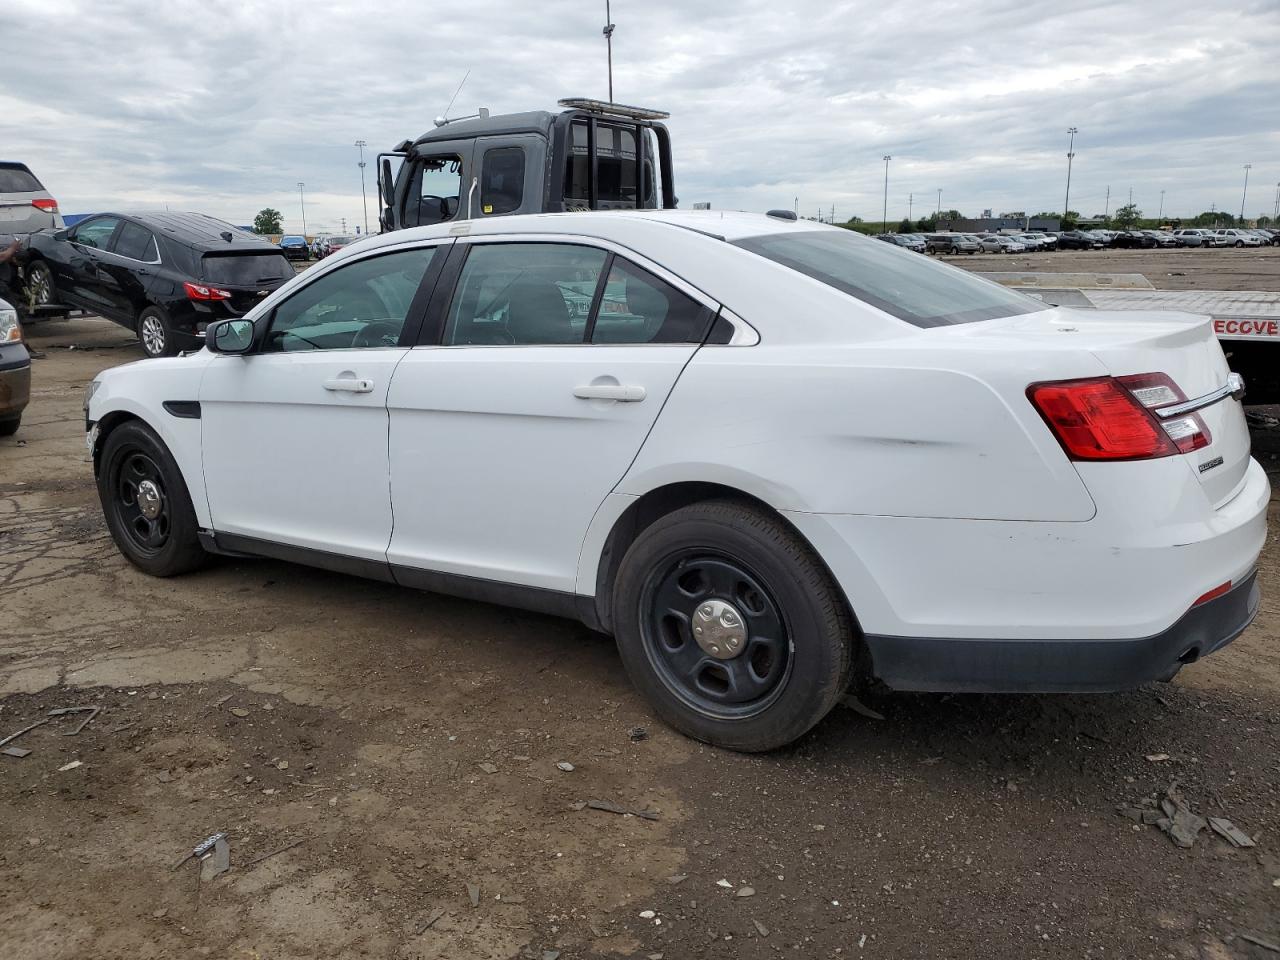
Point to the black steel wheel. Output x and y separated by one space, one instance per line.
146 504
731 626
714 634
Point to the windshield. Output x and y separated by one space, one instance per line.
246 268
339 241
293 239
904 285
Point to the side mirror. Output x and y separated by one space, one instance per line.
387 184
229 336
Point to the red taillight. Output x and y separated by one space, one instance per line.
1213 594
49 206
1156 390
197 291
1111 418
1099 419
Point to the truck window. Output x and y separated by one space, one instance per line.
502 180
616 150
437 187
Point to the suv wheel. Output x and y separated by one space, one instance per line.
146 504
731 627
955 251
40 284
1239 243
10 426
155 333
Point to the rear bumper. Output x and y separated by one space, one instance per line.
1051 666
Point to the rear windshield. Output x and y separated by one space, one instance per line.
15 178
905 285
246 268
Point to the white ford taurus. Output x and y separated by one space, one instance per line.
770 457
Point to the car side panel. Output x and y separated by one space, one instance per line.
142 393
882 429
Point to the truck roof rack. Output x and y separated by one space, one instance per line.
613 109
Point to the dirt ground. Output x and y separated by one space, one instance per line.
408 744
1189 268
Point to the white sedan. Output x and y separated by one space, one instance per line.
772 458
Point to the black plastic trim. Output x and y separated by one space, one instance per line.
536 599
253 547
183 409
1063 666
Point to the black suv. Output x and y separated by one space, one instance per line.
165 275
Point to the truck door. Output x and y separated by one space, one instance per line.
512 173
435 184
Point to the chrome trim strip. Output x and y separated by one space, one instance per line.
1234 387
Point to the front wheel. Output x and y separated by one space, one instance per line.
1239 243
146 504
155 333
731 627
10 426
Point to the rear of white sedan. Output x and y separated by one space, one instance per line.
770 457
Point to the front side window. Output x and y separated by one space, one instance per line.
524 293
96 232
136 243
360 305
638 307
922 292
502 180
437 189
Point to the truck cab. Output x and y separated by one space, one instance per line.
591 156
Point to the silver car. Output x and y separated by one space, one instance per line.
998 243
25 205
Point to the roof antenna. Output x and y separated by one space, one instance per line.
455 94
608 37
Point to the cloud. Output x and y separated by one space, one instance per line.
223 107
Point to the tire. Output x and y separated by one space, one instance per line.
167 543
9 427
955 251
155 333
40 284
1239 243
797 638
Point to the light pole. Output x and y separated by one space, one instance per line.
938 211
303 200
363 200
1071 155
1247 168
1275 214
608 38
1106 211
911 199
1160 215
885 226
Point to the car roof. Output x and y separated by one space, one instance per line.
198 230
532 121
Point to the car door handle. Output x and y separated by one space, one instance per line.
610 391
349 385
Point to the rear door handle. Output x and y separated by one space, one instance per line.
610 391
349 385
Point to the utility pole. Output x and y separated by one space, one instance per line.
1106 211
911 198
938 212
1247 168
303 200
1160 215
885 227
1131 196
1275 214
344 224
797 206
1071 155
363 199
608 39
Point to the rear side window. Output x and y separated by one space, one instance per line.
502 181
246 269
616 166
136 242
16 178
922 292
638 307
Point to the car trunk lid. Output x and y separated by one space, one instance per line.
1180 345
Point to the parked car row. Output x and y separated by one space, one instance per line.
968 243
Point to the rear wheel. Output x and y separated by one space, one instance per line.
1239 243
40 285
156 334
146 504
731 627
955 251
10 426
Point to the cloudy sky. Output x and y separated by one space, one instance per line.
223 105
